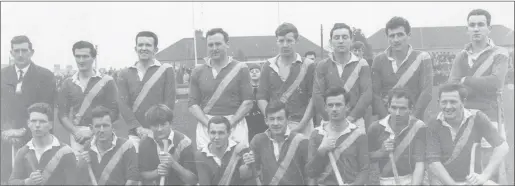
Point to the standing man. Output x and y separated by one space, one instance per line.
113 160
343 69
255 118
220 87
310 55
23 84
401 67
343 140
220 161
177 162
401 135
288 78
44 160
451 137
283 162
82 92
148 82
358 48
481 67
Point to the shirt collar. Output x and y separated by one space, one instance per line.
286 134
321 130
388 128
489 44
353 58
170 137
155 62
208 61
273 61
94 148
232 143
55 143
388 52
466 114
24 70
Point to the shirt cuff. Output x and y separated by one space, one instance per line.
462 80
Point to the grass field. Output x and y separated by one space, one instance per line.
186 123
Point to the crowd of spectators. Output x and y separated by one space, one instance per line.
442 64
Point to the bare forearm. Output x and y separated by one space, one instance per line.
496 159
363 102
377 155
132 182
199 114
149 175
242 111
308 114
418 174
262 105
245 172
68 125
441 173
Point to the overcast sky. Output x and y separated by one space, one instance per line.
53 27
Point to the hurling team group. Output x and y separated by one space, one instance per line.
337 121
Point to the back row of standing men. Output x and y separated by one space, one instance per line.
291 91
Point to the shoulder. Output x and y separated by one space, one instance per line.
198 69
423 55
123 72
182 139
43 71
433 124
380 57
7 69
374 127
501 51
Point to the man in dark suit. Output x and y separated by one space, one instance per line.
23 84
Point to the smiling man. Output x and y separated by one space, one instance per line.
82 92
400 66
148 82
220 87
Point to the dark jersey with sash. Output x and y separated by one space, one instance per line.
409 145
209 173
355 79
455 154
57 165
289 169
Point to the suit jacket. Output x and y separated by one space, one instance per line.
38 86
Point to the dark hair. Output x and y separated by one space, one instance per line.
274 107
43 108
358 45
21 39
253 66
337 26
218 31
400 93
286 28
159 113
397 22
147 34
219 120
336 91
310 53
85 44
481 12
451 87
101 111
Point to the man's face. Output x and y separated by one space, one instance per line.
216 46
335 106
358 52
145 48
21 53
255 74
286 44
39 124
277 122
398 38
312 57
341 40
161 130
84 59
451 105
478 28
102 128
219 135
399 107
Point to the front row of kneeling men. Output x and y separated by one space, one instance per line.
402 149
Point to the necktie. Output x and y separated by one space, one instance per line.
20 77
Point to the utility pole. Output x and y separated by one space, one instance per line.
194 34
96 58
321 41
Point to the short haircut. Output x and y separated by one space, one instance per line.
218 31
43 108
481 12
85 44
400 93
358 45
253 66
21 39
336 91
147 34
397 22
286 28
451 87
219 120
276 106
100 112
337 26
310 53
158 114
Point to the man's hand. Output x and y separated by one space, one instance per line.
84 158
35 178
327 144
388 145
351 119
166 158
143 132
248 158
477 179
82 135
162 169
